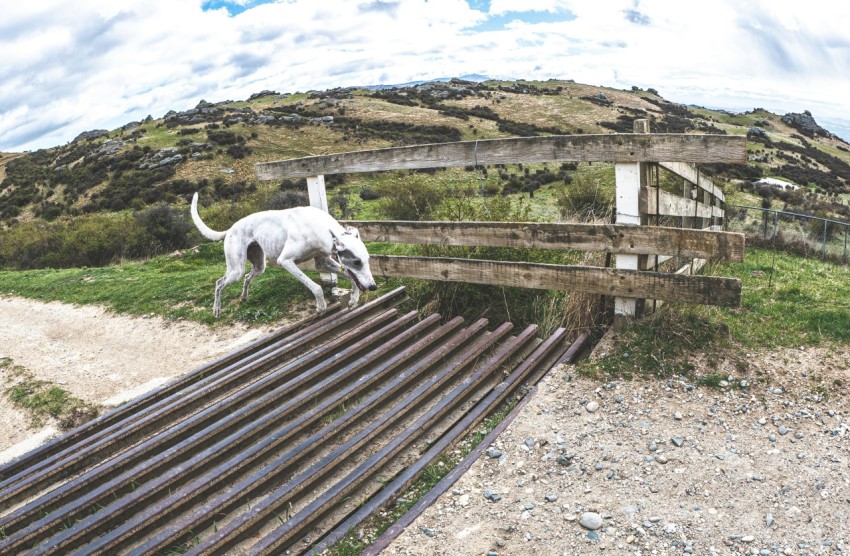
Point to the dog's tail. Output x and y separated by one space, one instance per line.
205 230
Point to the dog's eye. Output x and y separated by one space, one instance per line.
357 263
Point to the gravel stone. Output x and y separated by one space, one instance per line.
590 520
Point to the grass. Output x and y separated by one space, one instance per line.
42 400
787 301
172 287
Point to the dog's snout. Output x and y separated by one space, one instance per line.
373 287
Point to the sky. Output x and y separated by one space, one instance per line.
68 67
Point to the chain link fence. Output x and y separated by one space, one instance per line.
811 236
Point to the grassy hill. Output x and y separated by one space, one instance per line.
214 147
117 195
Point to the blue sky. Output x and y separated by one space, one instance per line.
93 64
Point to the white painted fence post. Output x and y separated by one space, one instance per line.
628 194
319 199
628 178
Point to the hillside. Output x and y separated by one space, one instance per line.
214 146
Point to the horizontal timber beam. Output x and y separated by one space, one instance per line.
637 240
694 176
668 204
703 290
617 147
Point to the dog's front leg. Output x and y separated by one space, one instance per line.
355 296
328 264
290 266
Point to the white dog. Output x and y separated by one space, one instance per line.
289 237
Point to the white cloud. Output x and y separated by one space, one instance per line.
99 64
501 7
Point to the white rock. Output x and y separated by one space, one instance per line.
590 520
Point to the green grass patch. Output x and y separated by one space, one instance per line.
170 286
787 300
42 400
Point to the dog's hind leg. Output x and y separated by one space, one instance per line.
290 266
229 277
235 257
258 266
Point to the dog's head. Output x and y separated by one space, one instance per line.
354 258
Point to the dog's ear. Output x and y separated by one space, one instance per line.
338 245
351 230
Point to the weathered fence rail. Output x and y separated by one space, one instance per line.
640 247
636 240
624 147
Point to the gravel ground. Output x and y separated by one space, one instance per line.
661 467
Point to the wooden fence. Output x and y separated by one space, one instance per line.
640 244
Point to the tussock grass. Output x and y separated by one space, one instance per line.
787 301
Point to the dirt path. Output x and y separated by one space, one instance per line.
97 356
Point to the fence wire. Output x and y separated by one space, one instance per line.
811 236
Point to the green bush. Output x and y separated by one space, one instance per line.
415 198
164 229
585 199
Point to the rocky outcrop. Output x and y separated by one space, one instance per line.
91 135
599 99
169 155
805 123
261 94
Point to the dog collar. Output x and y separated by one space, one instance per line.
335 259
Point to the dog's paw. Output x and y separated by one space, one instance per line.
321 307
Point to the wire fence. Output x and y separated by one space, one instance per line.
811 236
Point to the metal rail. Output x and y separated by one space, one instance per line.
300 420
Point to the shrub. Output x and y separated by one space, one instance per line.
280 200
368 194
412 199
585 199
224 137
165 228
238 151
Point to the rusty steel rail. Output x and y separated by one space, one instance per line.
255 418
300 420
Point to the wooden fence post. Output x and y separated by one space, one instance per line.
629 177
319 199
